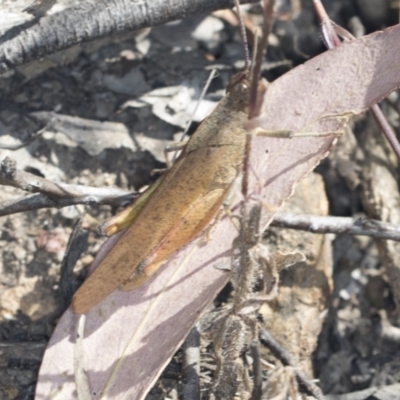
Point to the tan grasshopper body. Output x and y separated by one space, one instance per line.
184 201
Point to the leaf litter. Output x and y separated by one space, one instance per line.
151 313
113 177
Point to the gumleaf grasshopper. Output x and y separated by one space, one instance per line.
184 200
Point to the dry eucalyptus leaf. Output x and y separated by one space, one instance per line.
176 104
127 340
91 135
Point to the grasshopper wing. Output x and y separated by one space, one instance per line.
181 206
187 227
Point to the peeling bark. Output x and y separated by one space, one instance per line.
92 19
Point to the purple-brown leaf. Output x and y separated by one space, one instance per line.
118 350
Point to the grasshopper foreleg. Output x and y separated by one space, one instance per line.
309 130
287 134
175 146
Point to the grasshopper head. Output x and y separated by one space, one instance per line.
238 88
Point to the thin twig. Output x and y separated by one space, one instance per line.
287 359
257 370
53 194
39 201
351 226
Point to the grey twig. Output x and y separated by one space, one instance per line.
287 359
257 370
191 366
351 226
53 194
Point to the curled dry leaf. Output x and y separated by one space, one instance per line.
175 104
92 136
127 340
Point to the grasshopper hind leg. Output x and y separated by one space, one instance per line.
141 275
204 210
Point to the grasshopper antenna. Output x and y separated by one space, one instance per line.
203 93
268 8
243 36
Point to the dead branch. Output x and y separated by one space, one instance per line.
53 194
90 20
287 359
351 226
